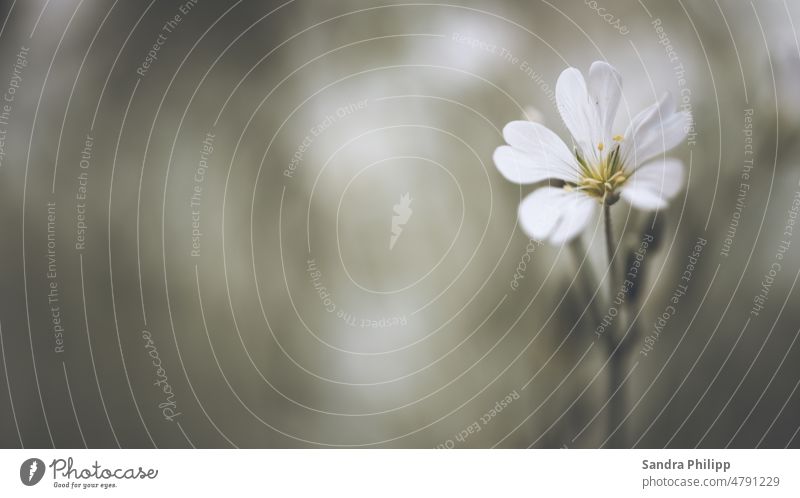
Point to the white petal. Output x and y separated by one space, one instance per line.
605 90
653 184
663 176
655 130
555 214
577 212
643 199
578 113
536 154
533 137
540 211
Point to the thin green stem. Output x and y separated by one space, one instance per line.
585 279
616 362
612 267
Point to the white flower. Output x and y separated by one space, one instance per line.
603 166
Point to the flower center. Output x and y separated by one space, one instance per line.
602 180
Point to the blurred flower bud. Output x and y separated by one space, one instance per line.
532 113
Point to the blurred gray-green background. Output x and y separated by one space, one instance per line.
197 219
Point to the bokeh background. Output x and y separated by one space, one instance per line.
217 269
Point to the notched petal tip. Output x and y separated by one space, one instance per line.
518 131
513 165
605 92
571 72
654 184
655 130
578 112
604 69
535 153
538 213
555 215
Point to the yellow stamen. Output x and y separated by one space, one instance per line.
601 179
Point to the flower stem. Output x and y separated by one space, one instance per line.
616 392
585 281
617 400
612 271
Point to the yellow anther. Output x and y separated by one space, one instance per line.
603 178
617 138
